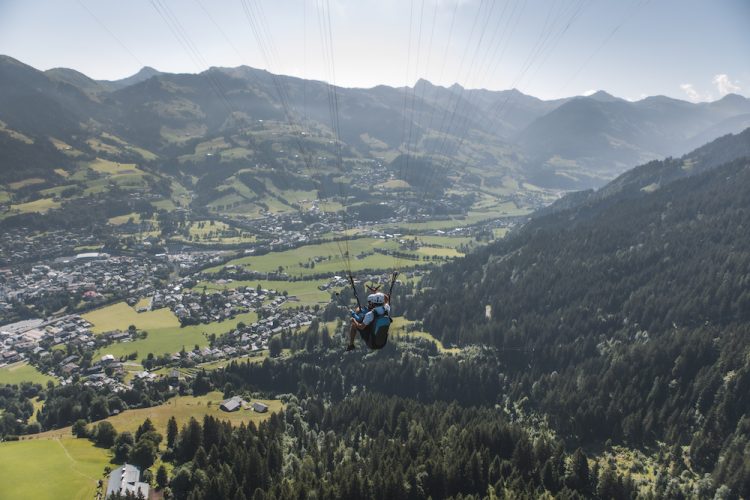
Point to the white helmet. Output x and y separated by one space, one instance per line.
376 298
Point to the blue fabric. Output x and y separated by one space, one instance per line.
380 311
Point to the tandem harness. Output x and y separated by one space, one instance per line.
375 334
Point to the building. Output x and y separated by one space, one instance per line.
260 407
231 404
126 479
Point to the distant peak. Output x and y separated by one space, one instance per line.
147 71
732 98
603 96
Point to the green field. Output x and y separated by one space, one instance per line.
41 205
51 469
306 291
22 372
122 219
173 339
293 261
25 183
398 330
181 408
120 316
113 167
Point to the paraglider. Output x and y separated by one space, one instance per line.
373 321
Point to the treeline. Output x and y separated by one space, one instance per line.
371 446
625 319
66 404
475 378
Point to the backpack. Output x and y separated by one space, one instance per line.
379 330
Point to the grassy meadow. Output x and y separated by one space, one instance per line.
182 408
164 332
41 469
22 372
120 316
306 292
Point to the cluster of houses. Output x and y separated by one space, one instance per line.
21 339
236 403
23 245
198 306
255 337
94 275
189 262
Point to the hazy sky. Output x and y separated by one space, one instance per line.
689 49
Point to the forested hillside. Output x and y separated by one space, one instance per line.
625 318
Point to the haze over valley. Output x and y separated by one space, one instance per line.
233 282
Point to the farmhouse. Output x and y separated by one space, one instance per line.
260 407
126 479
231 404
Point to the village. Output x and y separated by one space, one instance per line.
65 347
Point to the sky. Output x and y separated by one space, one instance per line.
697 50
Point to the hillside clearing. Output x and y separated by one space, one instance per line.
51 468
22 372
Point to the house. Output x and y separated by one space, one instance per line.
260 407
126 479
231 404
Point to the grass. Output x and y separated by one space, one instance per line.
113 167
293 261
203 231
122 219
398 330
41 205
306 291
25 183
164 205
395 184
181 408
101 147
51 469
143 302
22 372
499 232
66 148
38 404
120 316
257 357
172 339
15 134
145 154
439 252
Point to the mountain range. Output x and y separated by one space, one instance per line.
567 143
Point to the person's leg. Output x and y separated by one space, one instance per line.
352 336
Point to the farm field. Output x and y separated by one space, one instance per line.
122 219
329 257
306 291
22 372
41 205
51 468
172 339
120 316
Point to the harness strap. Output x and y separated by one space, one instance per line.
354 289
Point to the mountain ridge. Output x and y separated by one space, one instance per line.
566 144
